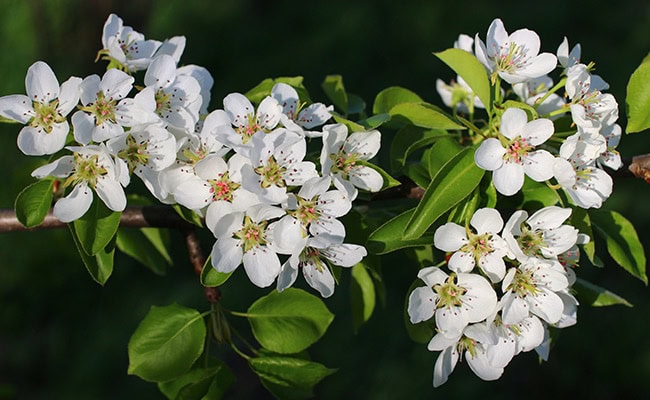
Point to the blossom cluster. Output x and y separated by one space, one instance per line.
242 168
507 284
520 146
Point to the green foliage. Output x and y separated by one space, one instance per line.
263 89
410 139
148 246
471 70
202 382
166 343
596 296
424 115
97 227
99 265
622 241
33 203
389 236
362 294
287 377
454 182
290 321
335 91
211 277
638 98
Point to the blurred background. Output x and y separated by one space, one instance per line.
63 336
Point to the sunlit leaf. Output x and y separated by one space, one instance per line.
638 98
467 66
596 296
287 377
362 295
388 237
34 202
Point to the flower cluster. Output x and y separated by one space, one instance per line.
507 284
242 168
519 144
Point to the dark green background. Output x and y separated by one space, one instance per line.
62 336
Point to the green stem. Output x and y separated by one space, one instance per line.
552 90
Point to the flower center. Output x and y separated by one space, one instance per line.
511 58
102 109
312 255
135 153
306 212
478 245
163 102
449 294
271 173
222 188
523 283
249 129
530 241
86 169
252 235
343 162
517 148
46 115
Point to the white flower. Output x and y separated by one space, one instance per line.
91 167
295 116
277 163
456 300
247 121
541 235
205 80
458 95
484 247
126 47
589 106
518 157
532 90
531 289
513 57
342 158
103 116
177 96
244 238
43 110
313 260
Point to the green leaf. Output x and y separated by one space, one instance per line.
351 125
423 115
289 378
211 277
362 295
468 67
335 91
454 182
166 343
34 202
596 296
356 105
97 227
408 140
188 215
388 237
200 383
147 246
440 153
374 121
99 266
392 96
418 174
638 98
537 195
581 221
622 241
289 321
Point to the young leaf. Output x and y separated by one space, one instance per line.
454 182
335 91
210 277
96 227
34 202
596 296
388 237
289 378
351 125
638 98
356 105
99 266
471 70
290 321
375 121
392 96
622 241
408 140
147 246
166 343
440 153
188 215
200 382
362 295
423 115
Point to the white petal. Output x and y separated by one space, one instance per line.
268 113
513 121
538 131
41 83
514 310
445 364
489 155
450 237
226 254
75 204
262 266
480 300
37 142
238 108
287 276
161 72
546 305
538 165
451 320
549 217
421 304
481 367
366 144
83 125
461 261
322 280
493 266
111 193
487 220
345 254
60 168
508 179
